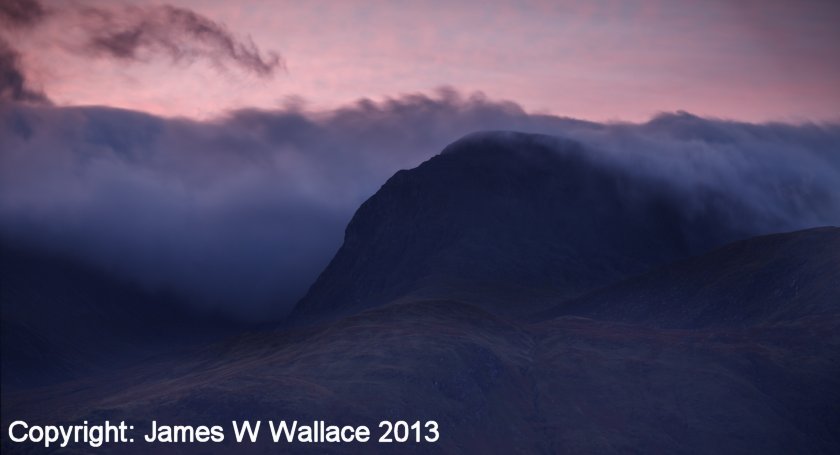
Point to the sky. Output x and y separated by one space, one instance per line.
598 60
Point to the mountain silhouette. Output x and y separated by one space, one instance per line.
517 216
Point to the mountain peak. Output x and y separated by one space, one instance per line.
503 213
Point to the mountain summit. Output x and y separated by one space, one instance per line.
501 214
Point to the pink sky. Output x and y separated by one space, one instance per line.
601 60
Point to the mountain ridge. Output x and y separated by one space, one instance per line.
761 280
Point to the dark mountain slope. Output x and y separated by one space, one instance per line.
62 319
763 280
570 385
515 216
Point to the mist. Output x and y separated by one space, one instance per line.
241 213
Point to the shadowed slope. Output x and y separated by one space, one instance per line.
62 319
567 385
762 280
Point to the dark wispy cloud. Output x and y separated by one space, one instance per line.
137 33
134 33
244 211
13 83
17 15
21 13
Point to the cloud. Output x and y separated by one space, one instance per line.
243 212
17 15
134 33
13 84
21 13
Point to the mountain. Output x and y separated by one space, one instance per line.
764 280
515 289
63 319
518 216
496 384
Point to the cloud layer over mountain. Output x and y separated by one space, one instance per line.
242 212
